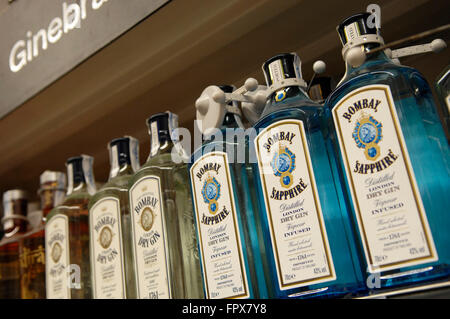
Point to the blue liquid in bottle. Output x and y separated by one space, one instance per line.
400 206
307 238
231 262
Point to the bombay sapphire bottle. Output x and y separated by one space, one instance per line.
159 199
231 261
393 158
67 265
307 237
110 226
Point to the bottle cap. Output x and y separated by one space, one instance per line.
283 70
14 194
162 128
79 170
282 66
355 26
53 177
15 203
123 150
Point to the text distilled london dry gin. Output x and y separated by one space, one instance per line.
394 158
67 235
230 259
156 238
110 226
307 239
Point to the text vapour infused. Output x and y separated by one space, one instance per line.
231 262
393 158
308 241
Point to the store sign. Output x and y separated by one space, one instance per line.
43 40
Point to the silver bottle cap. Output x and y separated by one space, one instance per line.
52 176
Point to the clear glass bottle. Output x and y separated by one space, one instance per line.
393 159
308 241
110 226
15 225
231 261
67 235
155 193
442 86
31 248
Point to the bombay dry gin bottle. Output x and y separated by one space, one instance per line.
15 226
231 261
32 246
110 225
307 237
393 157
67 264
156 236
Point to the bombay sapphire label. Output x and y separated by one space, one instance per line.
57 258
149 239
218 231
387 202
107 261
297 230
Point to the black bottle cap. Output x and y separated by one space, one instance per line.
288 69
356 25
123 150
162 126
77 169
162 122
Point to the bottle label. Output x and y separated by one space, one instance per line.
107 261
352 31
389 210
149 239
218 231
297 229
57 257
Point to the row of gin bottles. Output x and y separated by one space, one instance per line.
312 201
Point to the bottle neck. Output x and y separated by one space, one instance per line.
124 169
14 227
162 145
371 59
286 94
50 198
231 120
78 188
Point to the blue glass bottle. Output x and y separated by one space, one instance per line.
393 158
230 256
307 236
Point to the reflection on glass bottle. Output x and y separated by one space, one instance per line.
393 158
67 235
159 198
307 236
15 226
32 254
231 262
443 91
110 226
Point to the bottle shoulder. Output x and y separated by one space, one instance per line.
308 113
403 80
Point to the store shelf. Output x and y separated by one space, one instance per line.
435 290
164 63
